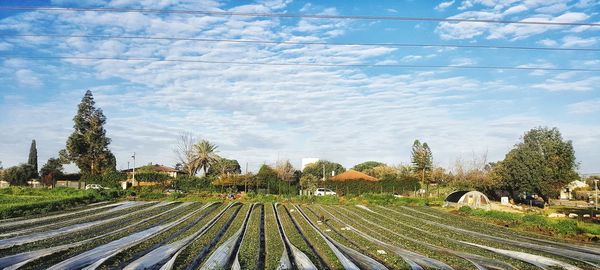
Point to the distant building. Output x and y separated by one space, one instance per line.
157 168
567 192
306 161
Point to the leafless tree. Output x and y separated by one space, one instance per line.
186 153
284 170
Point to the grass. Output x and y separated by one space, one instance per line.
537 223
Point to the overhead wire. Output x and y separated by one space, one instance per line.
292 15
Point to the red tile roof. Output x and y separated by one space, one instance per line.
353 175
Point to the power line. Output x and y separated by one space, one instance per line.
307 43
289 15
294 64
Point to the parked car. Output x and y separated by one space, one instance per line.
324 192
95 187
532 200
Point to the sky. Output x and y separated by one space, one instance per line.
263 113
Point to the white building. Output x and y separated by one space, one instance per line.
306 161
565 193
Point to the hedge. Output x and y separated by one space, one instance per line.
152 177
355 187
111 179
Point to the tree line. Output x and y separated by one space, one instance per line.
541 163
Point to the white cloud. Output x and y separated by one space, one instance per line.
574 41
559 84
27 78
556 8
444 5
515 10
510 10
254 112
585 107
548 42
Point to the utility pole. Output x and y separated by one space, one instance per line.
596 201
323 172
133 181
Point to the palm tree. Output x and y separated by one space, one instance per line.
206 155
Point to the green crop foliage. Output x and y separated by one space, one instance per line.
249 249
274 244
20 201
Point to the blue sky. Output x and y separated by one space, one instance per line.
258 114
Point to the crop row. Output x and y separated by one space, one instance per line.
102 213
284 236
340 233
89 239
482 244
252 246
35 221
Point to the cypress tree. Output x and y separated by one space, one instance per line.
33 157
87 146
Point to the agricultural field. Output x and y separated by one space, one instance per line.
18 201
215 235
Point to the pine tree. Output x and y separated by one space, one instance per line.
87 146
33 158
422 158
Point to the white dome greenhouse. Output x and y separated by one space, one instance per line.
473 199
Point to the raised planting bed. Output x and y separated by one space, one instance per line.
145 221
9 225
175 235
575 256
340 233
133 253
252 248
273 243
296 238
116 211
314 240
199 249
438 242
70 233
